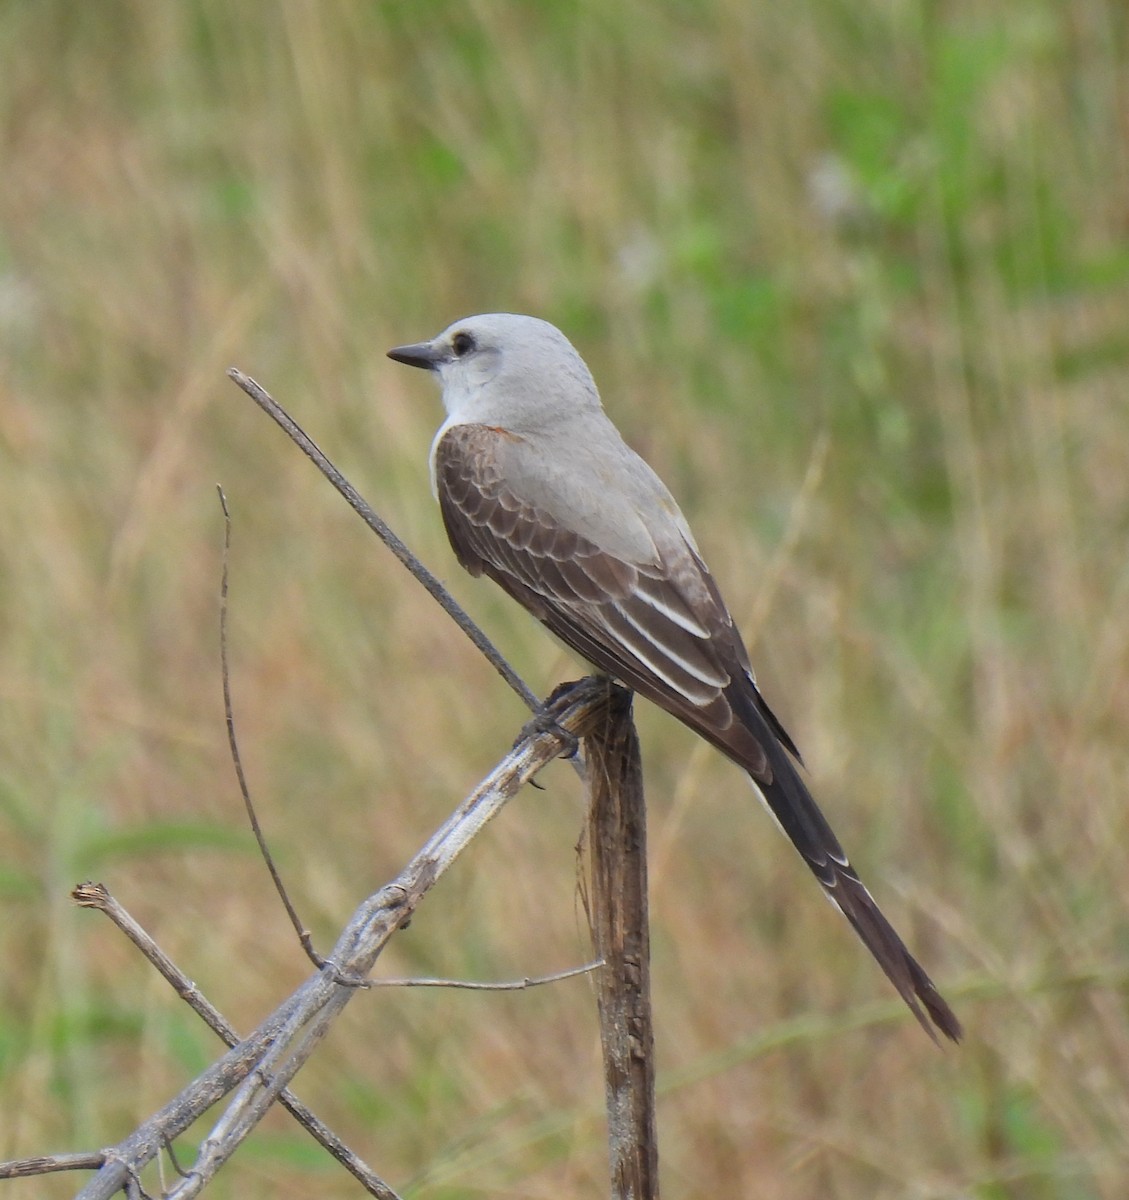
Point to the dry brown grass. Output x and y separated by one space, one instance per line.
941 617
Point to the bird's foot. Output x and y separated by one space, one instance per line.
545 721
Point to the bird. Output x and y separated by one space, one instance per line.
539 492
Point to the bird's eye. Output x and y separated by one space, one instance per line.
462 343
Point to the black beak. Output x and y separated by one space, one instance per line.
423 354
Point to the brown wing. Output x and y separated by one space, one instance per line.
661 627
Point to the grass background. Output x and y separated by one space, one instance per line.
855 278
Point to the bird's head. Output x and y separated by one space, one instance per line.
504 369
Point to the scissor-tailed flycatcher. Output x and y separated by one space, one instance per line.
539 492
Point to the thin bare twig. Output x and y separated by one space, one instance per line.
512 985
357 502
233 745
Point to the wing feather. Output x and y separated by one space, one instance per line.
613 612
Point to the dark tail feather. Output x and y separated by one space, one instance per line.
902 969
799 816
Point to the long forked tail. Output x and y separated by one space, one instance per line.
799 816
902 969
777 782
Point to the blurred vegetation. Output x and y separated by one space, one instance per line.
855 277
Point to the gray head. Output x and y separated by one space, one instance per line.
503 369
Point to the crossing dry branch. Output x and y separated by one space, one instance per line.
255 1071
